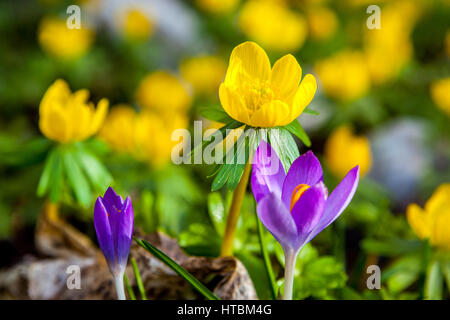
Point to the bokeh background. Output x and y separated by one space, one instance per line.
383 102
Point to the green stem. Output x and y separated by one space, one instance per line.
233 214
266 257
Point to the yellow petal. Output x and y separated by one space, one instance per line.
55 126
286 75
304 95
233 104
440 233
99 115
248 60
274 113
418 220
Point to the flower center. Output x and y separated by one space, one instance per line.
256 93
297 193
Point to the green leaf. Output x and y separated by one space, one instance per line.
215 113
98 175
47 173
137 275
129 289
178 269
241 158
310 111
57 183
391 247
216 211
295 128
284 145
222 132
76 177
434 282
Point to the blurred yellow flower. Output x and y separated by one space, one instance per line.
344 150
433 222
161 91
137 26
273 25
344 76
389 49
259 96
322 22
440 93
154 136
119 128
68 117
204 73
58 40
217 6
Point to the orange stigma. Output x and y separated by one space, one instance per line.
297 193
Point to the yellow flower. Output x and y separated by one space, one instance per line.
68 117
440 93
217 6
273 25
259 96
154 136
204 73
344 150
433 222
137 25
161 91
389 49
64 43
344 76
118 129
322 22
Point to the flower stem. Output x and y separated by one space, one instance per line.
289 268
233 213
118 281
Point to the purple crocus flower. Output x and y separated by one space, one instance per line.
295 207
113 220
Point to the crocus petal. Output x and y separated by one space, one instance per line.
233 104
304 95
278 220
248 60
112 201
268 173
104 232
125 233
305 169
271 114
338 200
286 75
308 211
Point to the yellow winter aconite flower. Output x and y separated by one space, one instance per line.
58 40
138 26
204 73
217 6
389 48
161 91
344 150
261 96
433 222
118 128
440 93
344 76
273 25
322 22
154 136
68 117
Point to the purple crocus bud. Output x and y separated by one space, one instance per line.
113 220
295 207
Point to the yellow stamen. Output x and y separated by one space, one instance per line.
297 193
